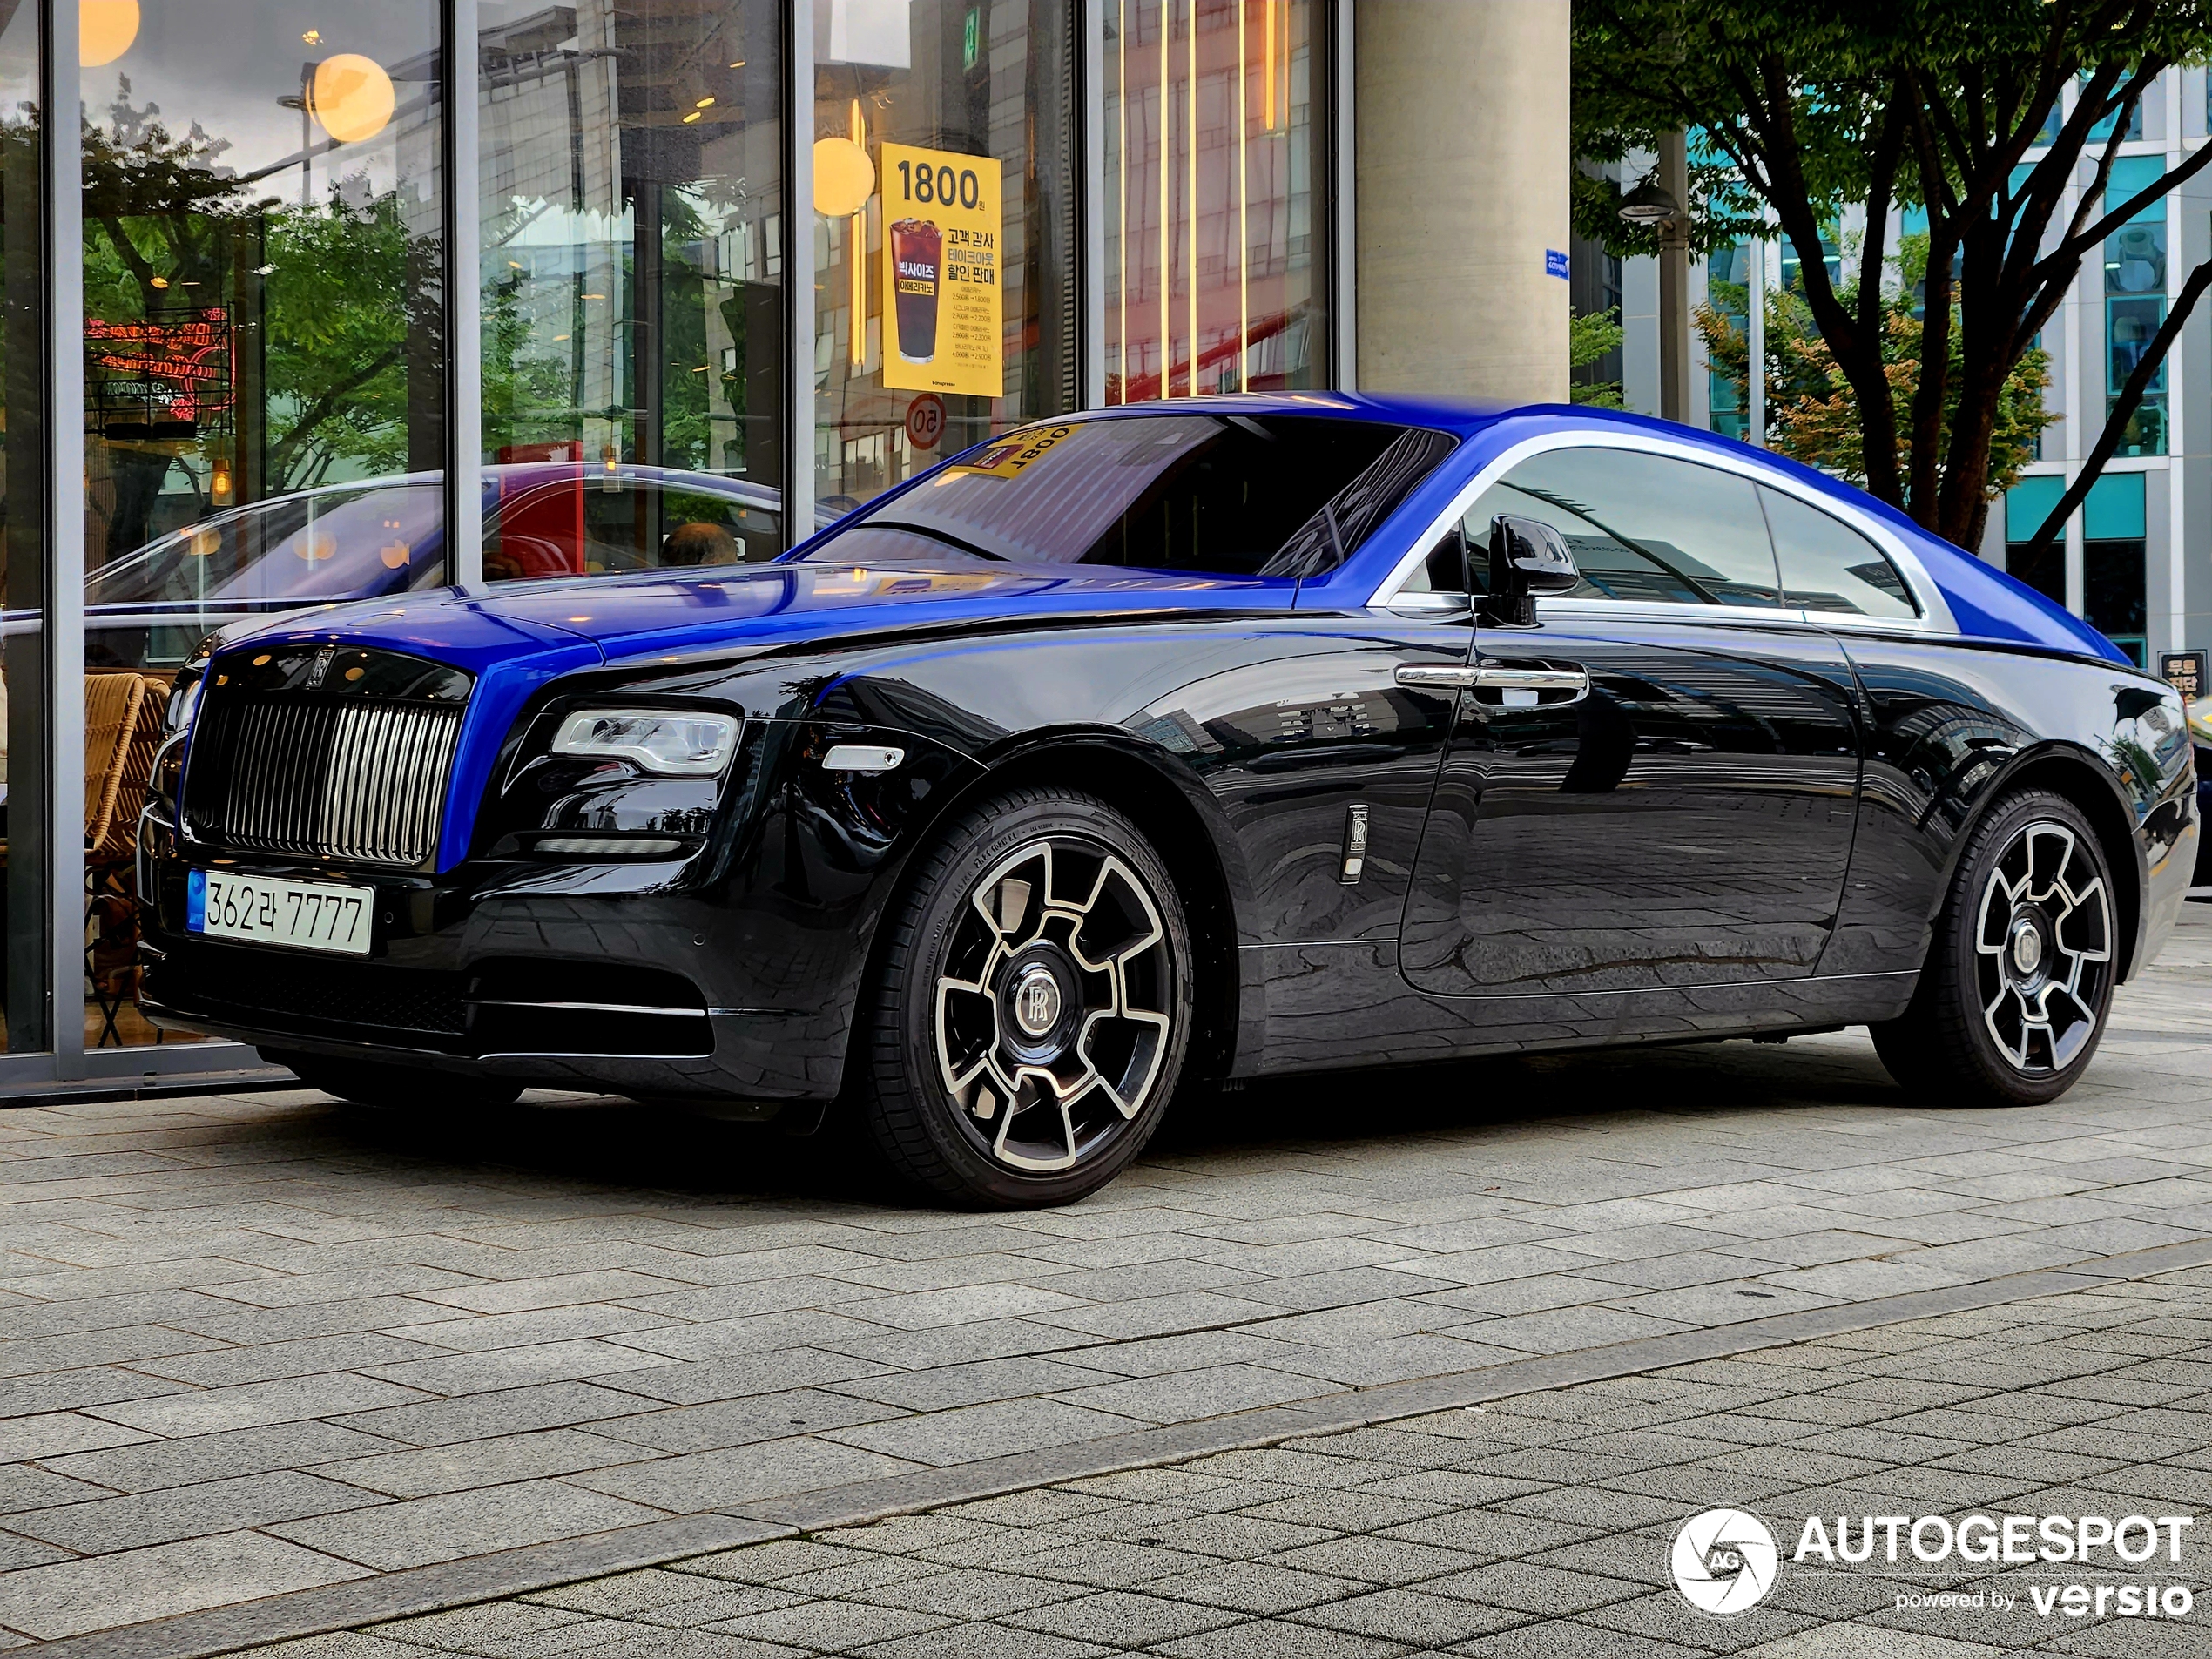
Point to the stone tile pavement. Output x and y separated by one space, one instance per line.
1535 1526
257 1344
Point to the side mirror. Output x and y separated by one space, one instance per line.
1527 556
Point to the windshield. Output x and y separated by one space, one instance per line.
1283 495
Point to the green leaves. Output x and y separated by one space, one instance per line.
1797 114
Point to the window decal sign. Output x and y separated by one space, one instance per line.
941 263
1010 457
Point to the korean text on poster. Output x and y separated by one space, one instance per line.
941 264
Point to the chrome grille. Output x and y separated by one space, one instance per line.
360 779
388 766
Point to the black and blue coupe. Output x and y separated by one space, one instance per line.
1186 742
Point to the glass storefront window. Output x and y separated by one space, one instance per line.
631 215
1215 260
266 319
2115 529
263 359
1728 291
2135 267
2028 503
24 894
944 231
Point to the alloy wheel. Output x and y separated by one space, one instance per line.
2043 948
1052 1008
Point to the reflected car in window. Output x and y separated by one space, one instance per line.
1172 744
387 535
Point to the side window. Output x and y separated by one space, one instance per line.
1643 529
1827 565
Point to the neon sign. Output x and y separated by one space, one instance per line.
175 367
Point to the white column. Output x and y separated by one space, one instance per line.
1344 179
1754 333
1461 166
1092 198
799 276
63 189
1675 345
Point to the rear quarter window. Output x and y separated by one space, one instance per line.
1827 565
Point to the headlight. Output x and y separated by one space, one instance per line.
675 744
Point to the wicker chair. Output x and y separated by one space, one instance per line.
123 722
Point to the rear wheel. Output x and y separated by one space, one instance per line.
1030 1016
411 1089
2014 997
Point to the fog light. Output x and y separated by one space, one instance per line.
608 847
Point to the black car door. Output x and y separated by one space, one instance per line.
1681 815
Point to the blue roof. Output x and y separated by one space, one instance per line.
1985 602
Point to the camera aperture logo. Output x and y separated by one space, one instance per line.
1725 1560
2067 1567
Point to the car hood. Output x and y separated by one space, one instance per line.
701 612
795 604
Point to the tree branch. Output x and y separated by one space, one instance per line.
2077 247
2123 410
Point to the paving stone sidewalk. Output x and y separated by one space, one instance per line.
1538 1525
255 1344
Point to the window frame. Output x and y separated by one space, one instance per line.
1935 615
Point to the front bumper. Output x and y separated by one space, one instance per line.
592 992
731 971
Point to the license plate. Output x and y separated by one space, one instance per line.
307 915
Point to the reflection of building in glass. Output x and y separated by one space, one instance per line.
1214 277
990 80
631 234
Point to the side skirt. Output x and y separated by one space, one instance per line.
1337 1005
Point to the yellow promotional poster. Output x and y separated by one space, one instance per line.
941 264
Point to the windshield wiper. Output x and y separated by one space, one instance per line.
948 539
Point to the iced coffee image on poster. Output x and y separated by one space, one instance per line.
917 250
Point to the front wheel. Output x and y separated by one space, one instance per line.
1028 1020
2014 997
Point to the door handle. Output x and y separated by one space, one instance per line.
1495 677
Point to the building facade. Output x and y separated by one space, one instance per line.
2137 558
296 314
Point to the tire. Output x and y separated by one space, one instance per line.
1027 1021
2014 997
405 1089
